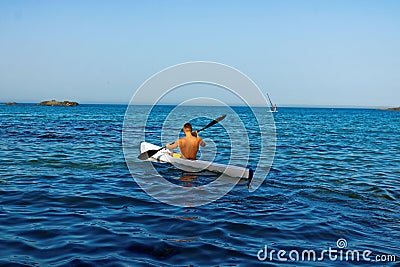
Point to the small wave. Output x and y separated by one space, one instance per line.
55 136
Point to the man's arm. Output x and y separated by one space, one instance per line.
173 145
202 143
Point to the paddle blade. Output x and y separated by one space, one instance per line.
213 122
148 154
220 118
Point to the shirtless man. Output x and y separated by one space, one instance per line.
189 144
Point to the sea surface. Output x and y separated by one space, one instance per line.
67 197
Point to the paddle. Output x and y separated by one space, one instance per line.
149 153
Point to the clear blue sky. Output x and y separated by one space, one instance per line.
302 52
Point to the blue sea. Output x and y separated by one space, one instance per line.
67 197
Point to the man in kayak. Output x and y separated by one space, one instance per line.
189 145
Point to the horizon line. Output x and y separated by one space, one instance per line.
211 105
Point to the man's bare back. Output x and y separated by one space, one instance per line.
189 145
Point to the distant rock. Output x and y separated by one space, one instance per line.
11 103
391 108
58 103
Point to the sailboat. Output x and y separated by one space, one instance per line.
273 107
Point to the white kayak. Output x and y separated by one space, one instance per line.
190 165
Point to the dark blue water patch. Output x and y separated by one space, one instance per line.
154 122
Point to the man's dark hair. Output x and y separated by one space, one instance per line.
187 126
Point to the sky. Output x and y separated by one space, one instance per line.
303 53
